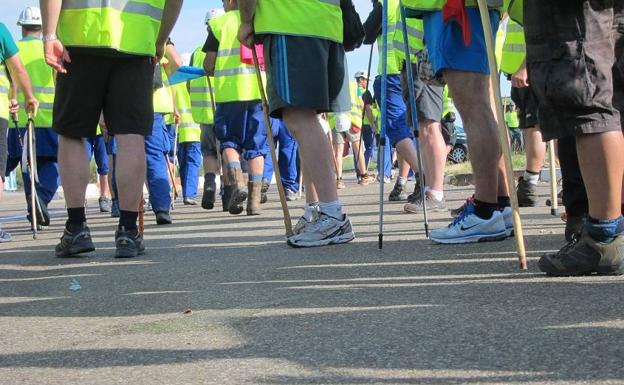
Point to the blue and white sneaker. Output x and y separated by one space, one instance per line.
508 218
469 228
322 231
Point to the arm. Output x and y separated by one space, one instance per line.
174 61
209 63
55 53
169 18
521 78
246 31
371 118
372 25
20 77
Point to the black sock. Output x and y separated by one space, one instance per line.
504 202
128 219
209 179
76 216
484 210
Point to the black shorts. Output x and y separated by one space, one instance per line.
119 86
575 59
305 72
526 102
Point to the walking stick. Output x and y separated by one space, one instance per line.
267 123
383 107
554 205
412 101
502 130
32 164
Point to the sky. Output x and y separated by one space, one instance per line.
190 30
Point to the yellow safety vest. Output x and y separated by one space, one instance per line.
42 81
5 84
129 26
201 99
375 112
235 81
188 130
515 10
356 105
514 48
511 118
312 18
447 102
415 41
163 97
395 36
421 6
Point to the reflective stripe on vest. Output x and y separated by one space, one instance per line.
188 130
415 35
4 92
514 49
447 102
234 81
42 80
129 26
200 93
395 36
312 18
356 105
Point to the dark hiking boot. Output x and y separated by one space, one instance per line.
253 201
265 189
225 198
163 218
208 198
239 195
398 193
74 241
585 255
527 193
574 227
128 243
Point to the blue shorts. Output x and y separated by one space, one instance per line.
445 42
396 123
240 125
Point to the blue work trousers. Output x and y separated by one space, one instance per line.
156 152
97 147
190 161
287 157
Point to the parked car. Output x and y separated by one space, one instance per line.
459 153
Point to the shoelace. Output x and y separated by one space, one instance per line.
468 209
571 243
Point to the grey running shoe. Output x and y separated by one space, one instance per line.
105 204
291 195
128 243
75 240
5 236
115 208
324 230
190 202
398 193
585 256
527 193
163 218
302 222
433 205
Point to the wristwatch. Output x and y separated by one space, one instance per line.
50 37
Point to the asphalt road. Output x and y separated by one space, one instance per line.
221 299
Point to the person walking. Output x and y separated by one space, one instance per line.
305 73
101 71
96 148
11 61
42 80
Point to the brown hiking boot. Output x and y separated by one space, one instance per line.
586 256
253 201
238 194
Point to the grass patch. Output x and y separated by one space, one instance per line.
518 159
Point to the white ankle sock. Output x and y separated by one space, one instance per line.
437 195
308 211
531 177
332 209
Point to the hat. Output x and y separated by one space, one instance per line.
361 74
214 13
30 16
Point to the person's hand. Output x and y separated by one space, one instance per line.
31 105
521 78
13 106
56 56
160 52
246 34
176 117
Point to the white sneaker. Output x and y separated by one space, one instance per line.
324 230
508 218
468 228
5 237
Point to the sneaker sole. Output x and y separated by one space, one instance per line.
236 203
473 239
345 238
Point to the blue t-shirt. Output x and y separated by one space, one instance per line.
8 48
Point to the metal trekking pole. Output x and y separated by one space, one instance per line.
267 123
32 164
502 130
383 108
554 201
412 101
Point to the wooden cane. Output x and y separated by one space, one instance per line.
30 128
554 201
267 123
502 130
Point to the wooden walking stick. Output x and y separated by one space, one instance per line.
554 201
502 130
384 110
267 123
32 164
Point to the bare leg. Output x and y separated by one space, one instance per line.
602 165
255 166
104 186
359 156
404 167
211 165
130 171
435 151
314 150
338 150
311 195
470 91
109 178
535 149
74 170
